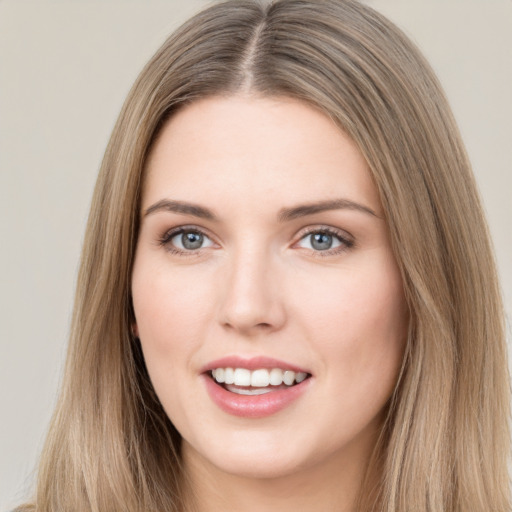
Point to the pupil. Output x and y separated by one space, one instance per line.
192 240
321 241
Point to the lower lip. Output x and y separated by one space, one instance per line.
254 406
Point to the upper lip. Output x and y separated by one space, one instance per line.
251 363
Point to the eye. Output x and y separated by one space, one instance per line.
186 239
322 240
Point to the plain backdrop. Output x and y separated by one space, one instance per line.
65 69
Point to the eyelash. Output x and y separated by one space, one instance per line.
165 240
346 243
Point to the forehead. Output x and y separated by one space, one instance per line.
242 147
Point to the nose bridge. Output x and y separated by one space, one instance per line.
251 298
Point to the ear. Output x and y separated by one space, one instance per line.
135 330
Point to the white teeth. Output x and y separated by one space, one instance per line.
218 375
246 391
276 377
300 377
242 377
260 378
229 375
289 377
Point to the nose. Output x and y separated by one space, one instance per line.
252 294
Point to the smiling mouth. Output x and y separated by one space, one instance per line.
256 382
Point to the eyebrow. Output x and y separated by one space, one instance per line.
284 215
182 208
287 214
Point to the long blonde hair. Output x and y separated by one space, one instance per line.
445 443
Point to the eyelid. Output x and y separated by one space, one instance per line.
346 239
165 239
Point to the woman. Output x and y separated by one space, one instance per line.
287 296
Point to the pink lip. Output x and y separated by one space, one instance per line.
255 406
252 406
252 363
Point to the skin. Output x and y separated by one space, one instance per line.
258 286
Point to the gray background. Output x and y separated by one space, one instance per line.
65 68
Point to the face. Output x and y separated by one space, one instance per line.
264 263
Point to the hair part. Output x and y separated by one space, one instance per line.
445 443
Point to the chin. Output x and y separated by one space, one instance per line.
262 469
256 458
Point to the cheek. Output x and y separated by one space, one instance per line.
169 307
168 313
365 304
169 317
360 327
